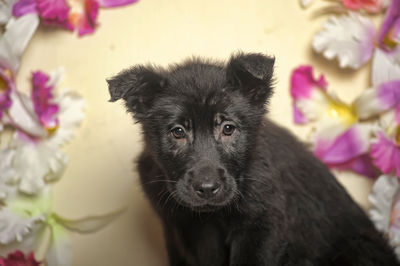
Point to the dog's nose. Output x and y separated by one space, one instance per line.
207 189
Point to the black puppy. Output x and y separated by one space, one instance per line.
230 186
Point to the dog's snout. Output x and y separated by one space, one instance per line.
206 189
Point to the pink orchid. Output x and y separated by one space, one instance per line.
18 258
339 141
372 6
69 14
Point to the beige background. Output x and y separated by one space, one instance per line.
100 176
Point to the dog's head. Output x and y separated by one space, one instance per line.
200 120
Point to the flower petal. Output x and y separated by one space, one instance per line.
373 102
349 145
389 36
384 68
6 171
115 3
54 12
381 197
23 7
30 242
386 154
14 227
36 162
15 39
5 11
21 115
42 98
60 251
349 38
85 19
305 3
361 165
88 224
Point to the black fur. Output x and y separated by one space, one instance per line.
230 186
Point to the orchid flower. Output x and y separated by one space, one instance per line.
69 14
385 210
353 38
339 140
25 220
36 160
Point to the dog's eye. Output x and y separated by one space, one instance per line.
228 130
178 132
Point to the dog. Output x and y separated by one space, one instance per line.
230 186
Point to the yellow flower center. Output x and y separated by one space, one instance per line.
397 135
3 82
389 40
51 130
343 112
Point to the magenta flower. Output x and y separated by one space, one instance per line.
372 6
41 97
72 15
339 141
18 258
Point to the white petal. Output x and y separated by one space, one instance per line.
31 242
381 197
5 10
350 38
22 116
305 3
384 68
60 252
6 172
36 163
70 116
13 227
16 38
88 224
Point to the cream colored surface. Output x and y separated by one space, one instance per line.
100 176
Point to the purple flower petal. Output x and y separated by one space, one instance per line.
376 101
85 21
303 82
361 165
345 147
54 12
390 30
389 94
23 7
299 118
41 97
115 3
386 154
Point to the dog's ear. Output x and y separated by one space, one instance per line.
137 86
252 75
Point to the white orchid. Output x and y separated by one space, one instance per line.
37 160
353 38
